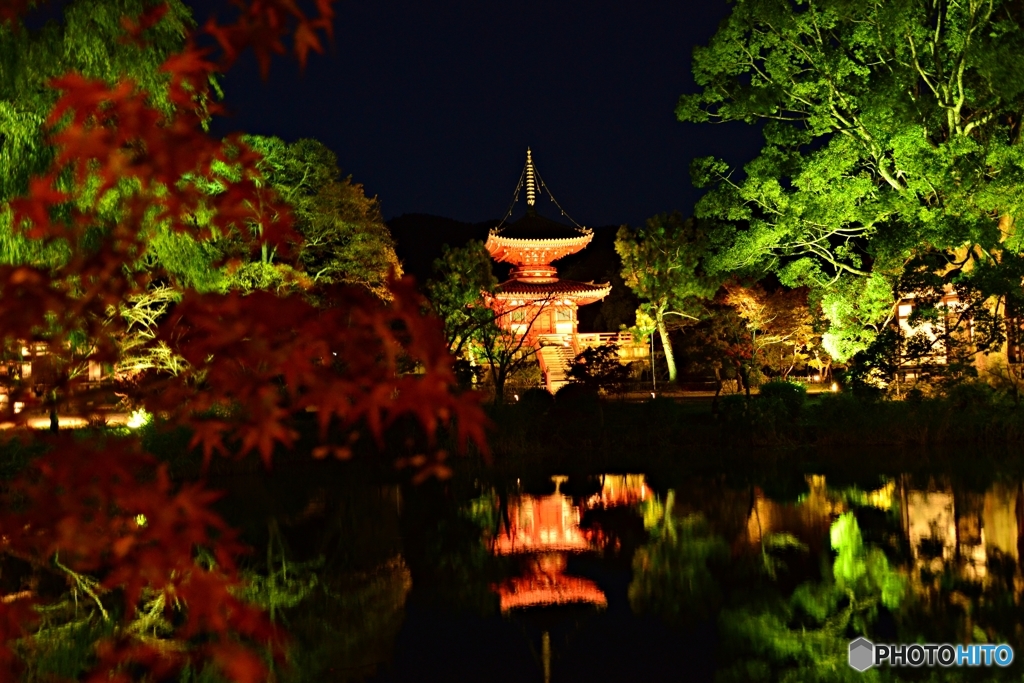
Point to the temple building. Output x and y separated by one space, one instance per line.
535 303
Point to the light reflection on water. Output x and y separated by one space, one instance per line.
943 529
560 549
545 529
965 530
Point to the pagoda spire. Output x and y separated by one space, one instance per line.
531 182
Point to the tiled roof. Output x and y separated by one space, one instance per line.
541 289
533 226
557 287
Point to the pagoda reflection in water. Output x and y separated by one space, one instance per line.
544 530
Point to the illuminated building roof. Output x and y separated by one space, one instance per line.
546 583
534 227
580 292
534 239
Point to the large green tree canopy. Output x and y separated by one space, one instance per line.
890 127
661 263
88 40
344 236
345 239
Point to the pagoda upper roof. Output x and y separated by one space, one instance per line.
581 292
534 227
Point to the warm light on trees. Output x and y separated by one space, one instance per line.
780 324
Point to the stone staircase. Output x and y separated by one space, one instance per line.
554 362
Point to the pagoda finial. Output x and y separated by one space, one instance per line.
531 180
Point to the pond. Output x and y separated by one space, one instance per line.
615 577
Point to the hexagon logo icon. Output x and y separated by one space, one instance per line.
862 654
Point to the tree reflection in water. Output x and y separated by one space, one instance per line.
786 584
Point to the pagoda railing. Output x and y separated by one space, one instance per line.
629 349
583 340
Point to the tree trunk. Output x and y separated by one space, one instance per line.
718 390
666 344
500 375
743 377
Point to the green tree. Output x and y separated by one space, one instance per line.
889 127
661 263
88 40
344 236
461 276
599 367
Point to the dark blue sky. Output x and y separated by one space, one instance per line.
431 105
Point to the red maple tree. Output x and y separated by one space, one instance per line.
255 362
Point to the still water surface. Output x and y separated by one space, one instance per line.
609 578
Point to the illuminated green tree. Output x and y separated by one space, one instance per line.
344 236
889 127
89 41
661 263
456 292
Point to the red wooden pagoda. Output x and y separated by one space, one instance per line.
535 303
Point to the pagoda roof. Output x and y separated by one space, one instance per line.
567 289
515 241
534 227
520 250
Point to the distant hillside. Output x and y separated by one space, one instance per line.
420 237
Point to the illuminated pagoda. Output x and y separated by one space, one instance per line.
535 302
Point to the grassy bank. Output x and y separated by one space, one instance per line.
584 433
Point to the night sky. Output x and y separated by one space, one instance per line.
432 105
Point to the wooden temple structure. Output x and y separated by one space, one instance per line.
534 302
